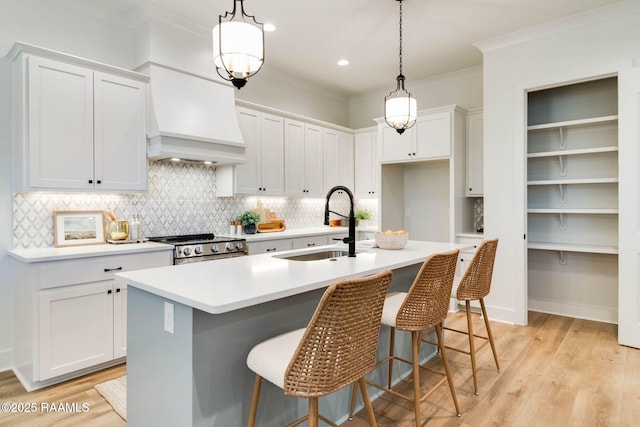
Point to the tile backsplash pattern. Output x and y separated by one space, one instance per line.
181 200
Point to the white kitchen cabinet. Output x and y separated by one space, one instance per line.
426 196
464 259
430 138
263 172
71 314
338 156
366 166
75 328
81 126
572 200
303 159
475 153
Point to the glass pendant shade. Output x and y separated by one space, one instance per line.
238 48
400 108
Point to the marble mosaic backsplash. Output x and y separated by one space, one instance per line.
181 200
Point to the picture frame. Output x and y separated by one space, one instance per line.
78 228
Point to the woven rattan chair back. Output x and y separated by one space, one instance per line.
427 301
476 281
340 343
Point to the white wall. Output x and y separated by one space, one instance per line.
588 45
463 88
6 154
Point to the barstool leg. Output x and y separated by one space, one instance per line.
354 396
445 361
472 347
415 347
392 343
489 334
367 402
313 412
254 401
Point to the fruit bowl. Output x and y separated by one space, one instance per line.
391 239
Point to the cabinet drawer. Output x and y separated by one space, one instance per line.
266 246
309 242
469 241
75 271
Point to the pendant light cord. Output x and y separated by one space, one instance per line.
400 54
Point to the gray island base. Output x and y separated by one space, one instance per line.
198 375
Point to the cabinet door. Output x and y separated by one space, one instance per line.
294 161
60 125
272 155
365 164
248 174
433 136
396 147
475 169
330 167
119 319
120 120
75 328
346 161
310 242
313 161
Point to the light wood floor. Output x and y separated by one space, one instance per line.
556 371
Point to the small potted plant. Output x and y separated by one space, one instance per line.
363 215
249 219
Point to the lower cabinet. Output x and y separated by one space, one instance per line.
278 245
464 259
73 314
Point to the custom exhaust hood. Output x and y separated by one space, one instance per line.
191 118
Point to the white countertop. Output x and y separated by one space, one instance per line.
73 252
234 283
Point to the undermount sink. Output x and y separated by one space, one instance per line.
314 256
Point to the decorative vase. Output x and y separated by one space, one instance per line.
250 229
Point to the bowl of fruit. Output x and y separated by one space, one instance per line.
391 239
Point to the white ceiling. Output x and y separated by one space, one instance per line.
311 36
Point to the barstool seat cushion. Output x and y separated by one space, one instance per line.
392 304
270 358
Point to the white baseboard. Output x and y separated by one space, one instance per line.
579 311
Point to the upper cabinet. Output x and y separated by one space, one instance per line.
79 125
428 139
366 167
263 173
475 169
337 159
303 159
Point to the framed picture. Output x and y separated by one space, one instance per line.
76 228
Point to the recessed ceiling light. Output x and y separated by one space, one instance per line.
269 27
343 62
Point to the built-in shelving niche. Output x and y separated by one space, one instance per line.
572 200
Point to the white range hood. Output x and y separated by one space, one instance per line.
191 118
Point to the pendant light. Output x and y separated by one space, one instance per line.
400 108
238 45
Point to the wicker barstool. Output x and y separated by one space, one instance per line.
425 305
474 285
336 349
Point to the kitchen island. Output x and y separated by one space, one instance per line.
190 328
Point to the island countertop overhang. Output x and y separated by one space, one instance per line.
234 283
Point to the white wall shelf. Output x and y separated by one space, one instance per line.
575 211
573 181
572 123
573 152
596 249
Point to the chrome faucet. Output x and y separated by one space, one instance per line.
351 240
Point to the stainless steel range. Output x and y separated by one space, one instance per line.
203 247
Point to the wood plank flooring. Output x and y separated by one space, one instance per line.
557 371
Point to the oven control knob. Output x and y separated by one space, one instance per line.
229 246
214 248
239 246
186 251
198 250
